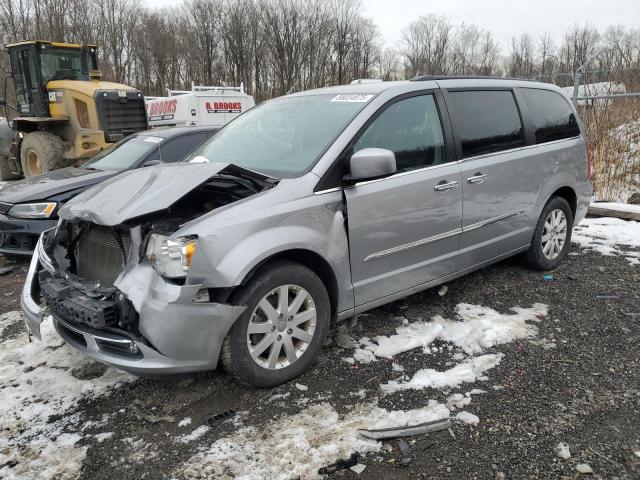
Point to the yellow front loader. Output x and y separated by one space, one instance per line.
65 113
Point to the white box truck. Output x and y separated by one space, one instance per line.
201 105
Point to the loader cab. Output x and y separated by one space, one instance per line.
36 63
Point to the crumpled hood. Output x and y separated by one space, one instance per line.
138 192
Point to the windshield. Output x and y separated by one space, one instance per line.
283 137
125 154
64 64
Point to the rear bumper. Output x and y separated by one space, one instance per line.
176 334
19 236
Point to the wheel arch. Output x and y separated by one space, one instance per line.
310 259
569 195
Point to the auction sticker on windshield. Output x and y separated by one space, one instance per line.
152 139
352 97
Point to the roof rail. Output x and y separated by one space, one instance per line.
422 78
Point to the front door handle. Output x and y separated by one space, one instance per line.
444 186
477 178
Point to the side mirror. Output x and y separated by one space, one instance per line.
150 163
372 163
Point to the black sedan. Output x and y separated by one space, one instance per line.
30 206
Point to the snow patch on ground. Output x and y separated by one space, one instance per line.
296 446
468 371
477 329
468 418
194 435
610 236
36 384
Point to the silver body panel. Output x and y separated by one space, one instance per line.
381 239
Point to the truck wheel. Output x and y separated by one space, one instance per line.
40 152
283 328
552 236
6 169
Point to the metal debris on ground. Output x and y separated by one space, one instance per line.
220 417
341 464
603 296
406 431
405 453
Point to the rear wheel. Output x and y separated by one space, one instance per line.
552 236
6 168
40 152
283 328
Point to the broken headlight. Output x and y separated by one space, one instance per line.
171 257
32 210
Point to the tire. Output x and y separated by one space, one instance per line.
266 285
6 170
539 256
40 152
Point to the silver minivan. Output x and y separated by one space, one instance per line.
310 208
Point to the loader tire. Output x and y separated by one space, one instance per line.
41 152
6 168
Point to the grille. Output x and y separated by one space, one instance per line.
5 207
120 117
99 256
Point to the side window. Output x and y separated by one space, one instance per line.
487 121
551 115
411 129
177 148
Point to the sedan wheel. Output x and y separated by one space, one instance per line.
554 234
281 327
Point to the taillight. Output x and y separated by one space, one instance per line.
588 161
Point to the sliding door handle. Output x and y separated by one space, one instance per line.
477 178
444 186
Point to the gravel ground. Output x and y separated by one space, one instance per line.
578 383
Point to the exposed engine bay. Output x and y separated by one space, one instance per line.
86 258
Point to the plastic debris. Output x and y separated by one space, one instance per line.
407 431
548 278
358 468
405 453
443 290
604 296
341 464
220 417
302 387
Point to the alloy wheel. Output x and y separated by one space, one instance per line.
281 327
554 234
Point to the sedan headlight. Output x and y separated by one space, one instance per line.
171 257
32 210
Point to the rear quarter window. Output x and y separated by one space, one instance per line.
551 115
486 121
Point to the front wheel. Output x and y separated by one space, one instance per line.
282 330
551 239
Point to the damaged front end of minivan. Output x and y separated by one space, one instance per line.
114 273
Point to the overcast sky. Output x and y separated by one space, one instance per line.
504 18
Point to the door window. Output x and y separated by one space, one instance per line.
487 121
411 129
177 148
551 115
